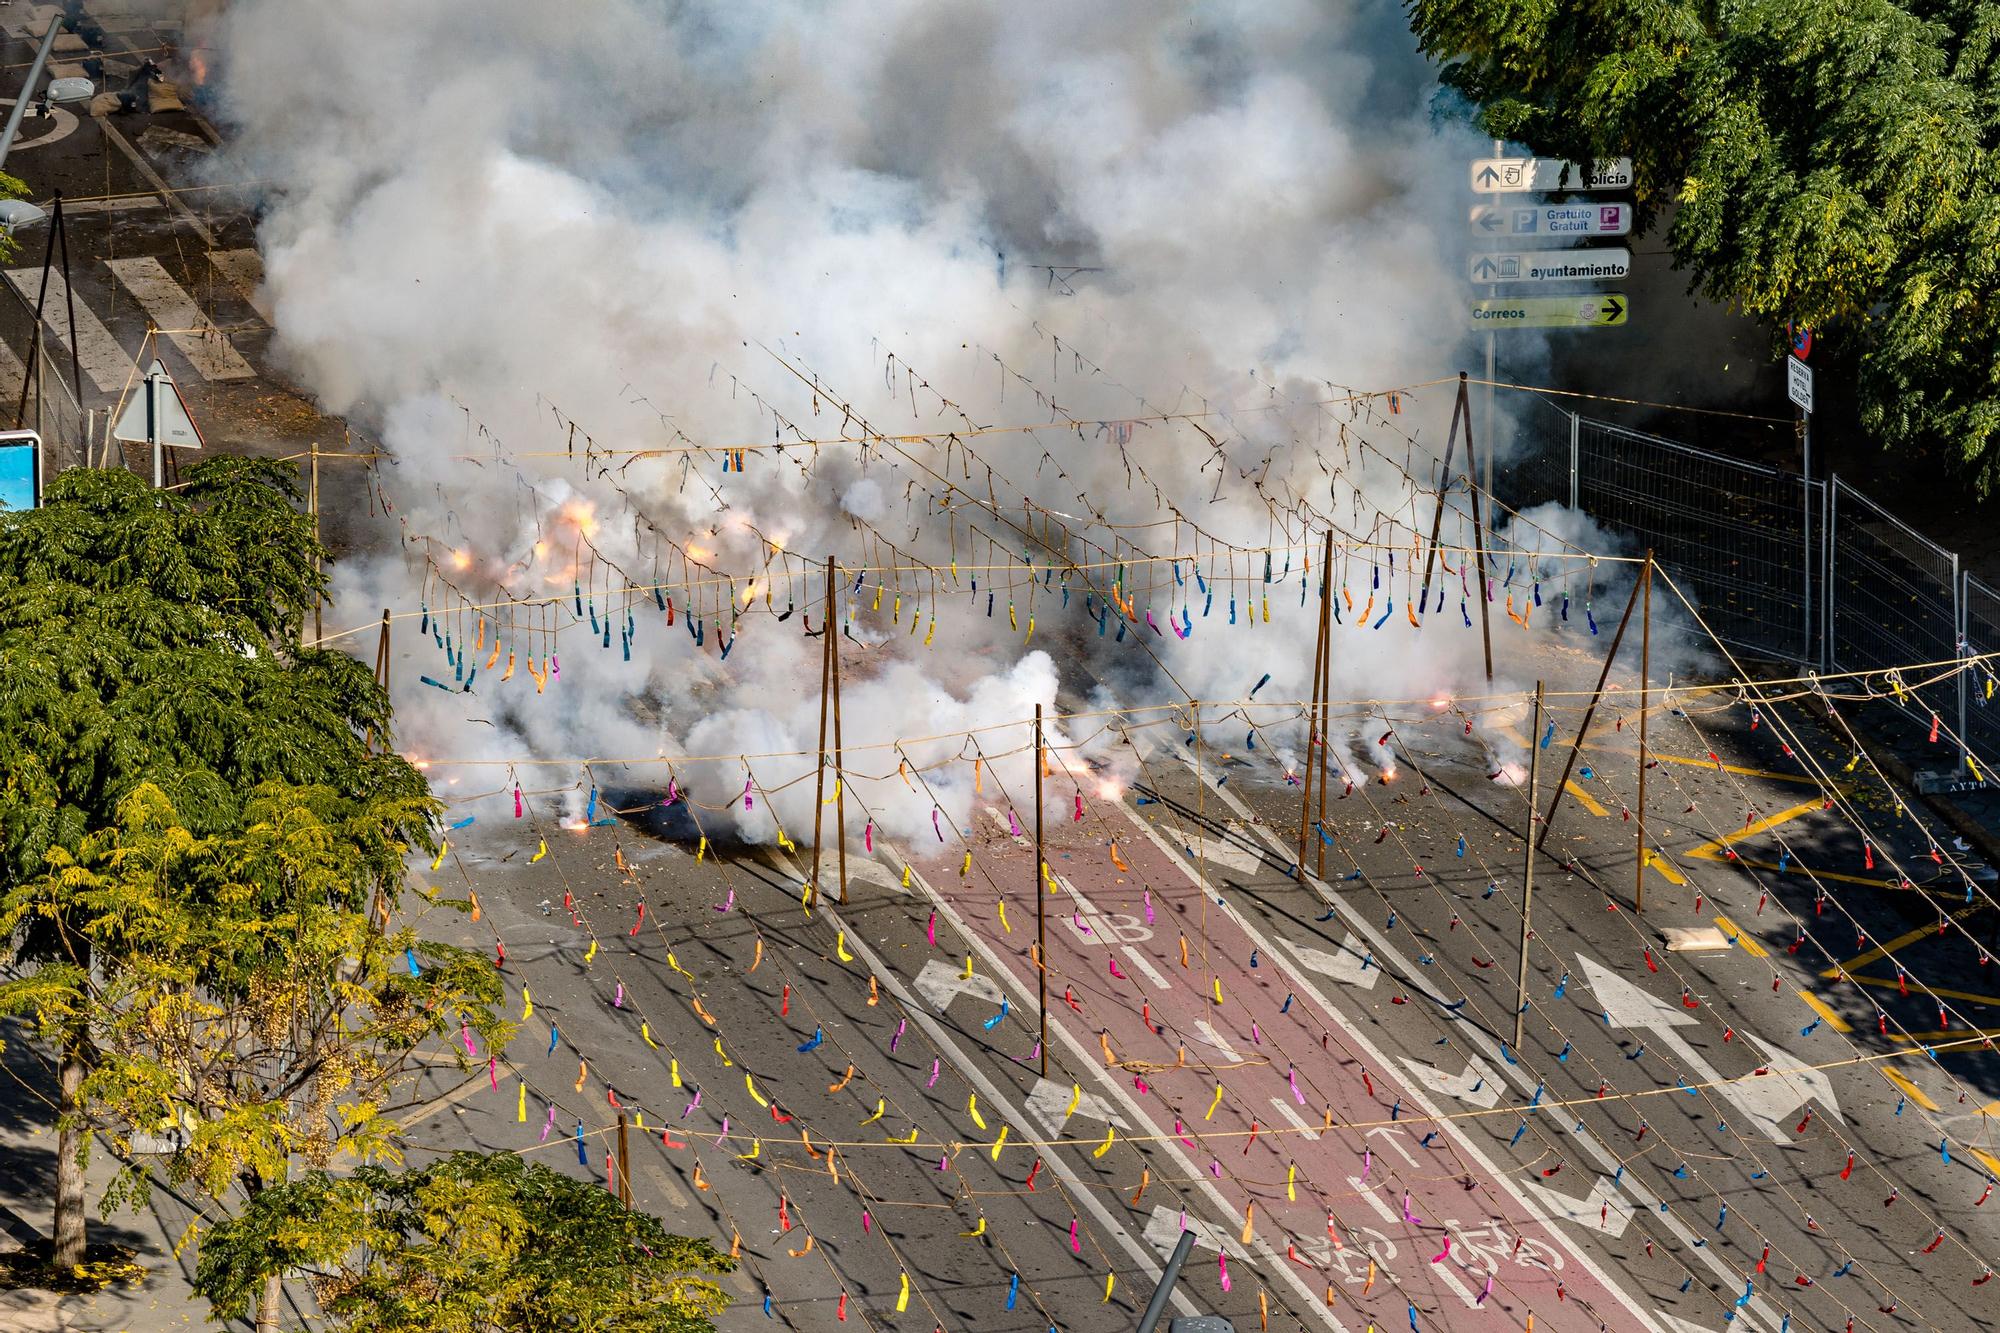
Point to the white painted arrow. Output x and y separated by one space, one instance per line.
1050 1104
1604 1211
939 985
1230 854
1347 967
1676 1324
1163 1232
1630 1007
1777 1096
1475 1085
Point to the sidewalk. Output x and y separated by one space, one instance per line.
162 1300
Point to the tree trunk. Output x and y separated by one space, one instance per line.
267 1305
70 1201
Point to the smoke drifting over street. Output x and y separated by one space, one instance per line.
503 237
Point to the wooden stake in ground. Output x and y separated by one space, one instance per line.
1528 850
825 691
1645 672
1041 907
839 755
1595 695
1313 738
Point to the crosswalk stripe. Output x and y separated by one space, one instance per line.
12 372
100 354
244 270
174 312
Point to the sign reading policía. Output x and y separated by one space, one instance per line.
1558 220
1594 265
1599 310
1541 175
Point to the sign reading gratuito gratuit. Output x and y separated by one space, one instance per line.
1599 310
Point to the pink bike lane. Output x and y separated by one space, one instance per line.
1240 1072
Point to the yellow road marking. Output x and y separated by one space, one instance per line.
1991 1108
1907 1088
1737 934
1882 984
1988 1160
1665 867
1707 851
1796 868
1692 762
1585 799
1819 1006
1956 1034
1884 950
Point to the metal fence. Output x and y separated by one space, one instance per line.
49 405
1734 534
1802 571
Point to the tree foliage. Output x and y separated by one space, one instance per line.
195 834
1832 162
232 994
151 636
471 1243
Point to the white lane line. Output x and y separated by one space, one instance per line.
244 270
175 313
12 373
1153 974
100 354
1304 1127
1148 1264
1206 1031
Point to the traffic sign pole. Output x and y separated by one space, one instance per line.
1799 388
153 432
1492 374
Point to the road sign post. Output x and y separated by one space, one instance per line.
1799 388
157 415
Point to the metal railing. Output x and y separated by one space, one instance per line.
50 405
1802 571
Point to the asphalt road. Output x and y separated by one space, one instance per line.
1627 1165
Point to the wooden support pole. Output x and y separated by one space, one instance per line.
1041 893
313 493
1645 671
1597 694
624 1164
1313 738
1459 410
1478 544
381 668
825 684
839 754
1529 847
1323 723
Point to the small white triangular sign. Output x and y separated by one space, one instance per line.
157 412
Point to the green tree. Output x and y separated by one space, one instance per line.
471 1243
167 750
1829 163
239 1003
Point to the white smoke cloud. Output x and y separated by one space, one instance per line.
486 226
